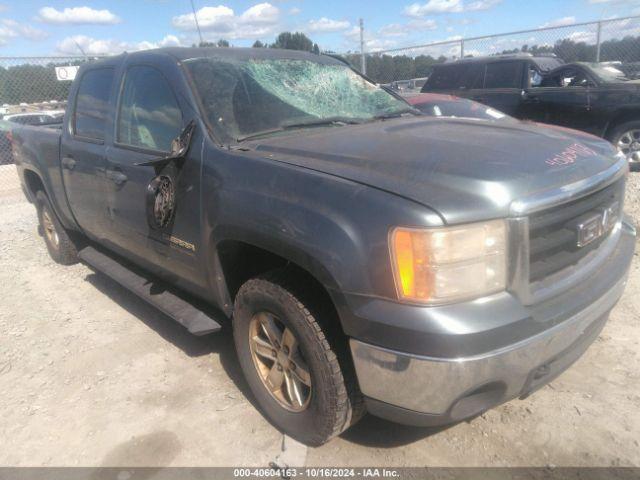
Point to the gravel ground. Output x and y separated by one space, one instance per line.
92 376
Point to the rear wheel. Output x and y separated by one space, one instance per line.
626 138
299 370
59 244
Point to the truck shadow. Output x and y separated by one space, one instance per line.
378 433
370 431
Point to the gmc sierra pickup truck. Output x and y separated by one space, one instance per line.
368 258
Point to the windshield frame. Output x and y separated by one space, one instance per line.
594 70
215 135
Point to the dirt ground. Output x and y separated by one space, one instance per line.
92 376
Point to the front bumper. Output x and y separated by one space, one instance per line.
431 390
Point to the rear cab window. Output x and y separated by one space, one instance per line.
92 103
504 75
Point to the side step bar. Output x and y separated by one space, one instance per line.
183 312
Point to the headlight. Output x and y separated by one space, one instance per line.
442 265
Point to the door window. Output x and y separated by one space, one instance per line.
503 75
569 77
92 104
149 115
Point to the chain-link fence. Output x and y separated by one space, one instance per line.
615 40
30 93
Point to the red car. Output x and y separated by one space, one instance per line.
439 105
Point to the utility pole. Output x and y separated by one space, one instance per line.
598 35
363 61
195 17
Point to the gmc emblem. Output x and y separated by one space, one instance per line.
593 227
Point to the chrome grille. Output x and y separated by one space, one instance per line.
553 244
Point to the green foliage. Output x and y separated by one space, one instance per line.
295 41
32 83
258 44
222 43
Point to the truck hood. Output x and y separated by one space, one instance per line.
464 169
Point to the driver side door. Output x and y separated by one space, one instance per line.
154 210
563 98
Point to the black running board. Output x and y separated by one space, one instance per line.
152 291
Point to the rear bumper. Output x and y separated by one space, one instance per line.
432 390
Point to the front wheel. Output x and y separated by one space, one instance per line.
626 138
301 377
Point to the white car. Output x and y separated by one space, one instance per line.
36 118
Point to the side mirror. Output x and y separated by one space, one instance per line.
179 147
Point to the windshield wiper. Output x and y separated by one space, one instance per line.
311 123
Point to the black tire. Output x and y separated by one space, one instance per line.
59 244
335 402
618 131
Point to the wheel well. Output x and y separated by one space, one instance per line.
34 183
242 261
621 118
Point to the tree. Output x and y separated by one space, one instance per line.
316 49
220 43
293 41
258 44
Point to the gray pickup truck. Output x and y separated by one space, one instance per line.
368 258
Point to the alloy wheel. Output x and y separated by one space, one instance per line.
50 229
629 144
281 367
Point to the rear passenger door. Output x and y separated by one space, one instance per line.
149 116
82 151
502 85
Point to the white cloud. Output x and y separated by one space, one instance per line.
559 22
422 24
372 41
261 14
77 44
77 16
10 29
218 18
448 6
256 22
402 30
393 30
326 25
295 11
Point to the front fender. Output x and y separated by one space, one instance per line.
336 229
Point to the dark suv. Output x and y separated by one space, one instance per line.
597 98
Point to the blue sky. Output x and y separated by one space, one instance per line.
44 27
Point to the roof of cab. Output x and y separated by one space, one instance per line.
544 63
229 53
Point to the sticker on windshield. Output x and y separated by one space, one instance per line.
570 154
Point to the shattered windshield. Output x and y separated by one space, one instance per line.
245 98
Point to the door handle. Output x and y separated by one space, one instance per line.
68 163
116 177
